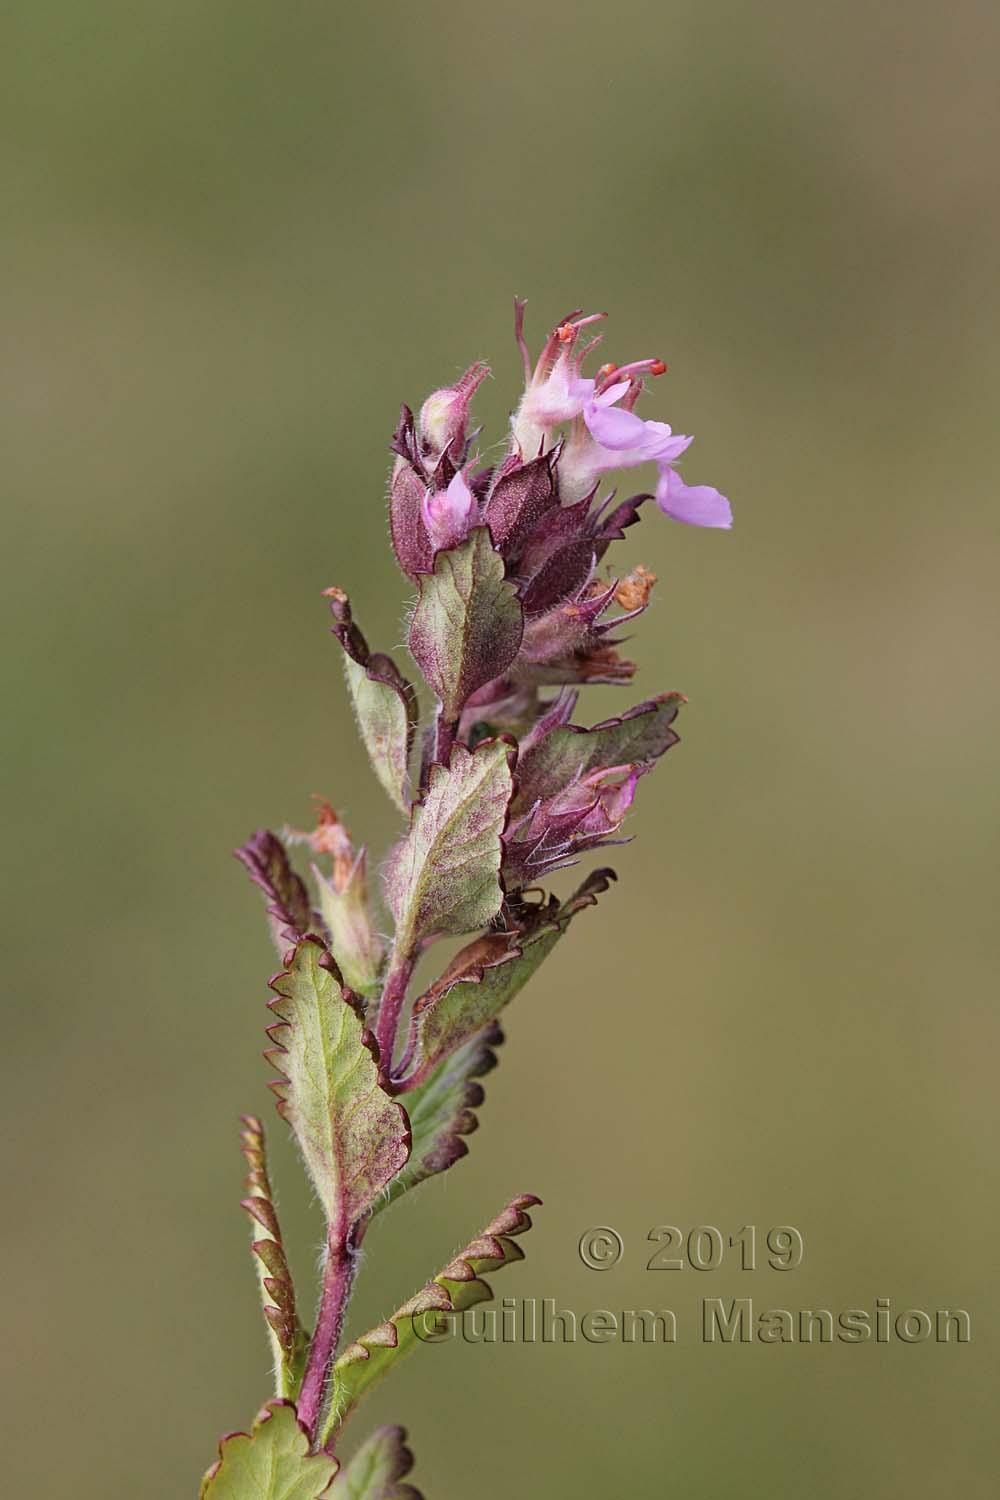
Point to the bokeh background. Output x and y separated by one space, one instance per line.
237 235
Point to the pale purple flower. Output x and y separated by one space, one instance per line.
554 392
448 513
612 437
696 504
605 433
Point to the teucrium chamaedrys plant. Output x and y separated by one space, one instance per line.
514 613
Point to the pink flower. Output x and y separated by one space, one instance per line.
696 504
605 433
448 513
612 437
554 392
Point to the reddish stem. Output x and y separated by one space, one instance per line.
338 1274
447 729
390 1006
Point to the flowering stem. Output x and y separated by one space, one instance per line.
393 994
338 1275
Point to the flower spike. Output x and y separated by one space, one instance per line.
380 1043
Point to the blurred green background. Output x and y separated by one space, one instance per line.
237 235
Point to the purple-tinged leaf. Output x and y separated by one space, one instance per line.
592 662
457 1287
385 703
291 916
556 634
556 529
467 624
410 541
570 643
377 1469
568 752
443 877
561 577
442 1110
404 440
582 817
353 1136
551 715
288 1339
272 1462
520 495
486 976
612 527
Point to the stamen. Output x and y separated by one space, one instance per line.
636 367
640 368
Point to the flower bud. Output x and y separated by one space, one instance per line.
443 416
448 513
344 901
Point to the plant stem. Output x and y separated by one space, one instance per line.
338 1274
393 994
446 731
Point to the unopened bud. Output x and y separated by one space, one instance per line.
444 415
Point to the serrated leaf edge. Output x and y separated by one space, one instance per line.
264 1415
288 1338
488 1253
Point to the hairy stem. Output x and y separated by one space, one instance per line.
338 1276
446 730
393 994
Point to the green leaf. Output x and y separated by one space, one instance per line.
384 702
353 1136
468 622
457 1287
442 1111
375 1471
443 877
272 1462
486 976
288 1339
357 948
566 753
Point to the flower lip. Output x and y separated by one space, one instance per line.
694 504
